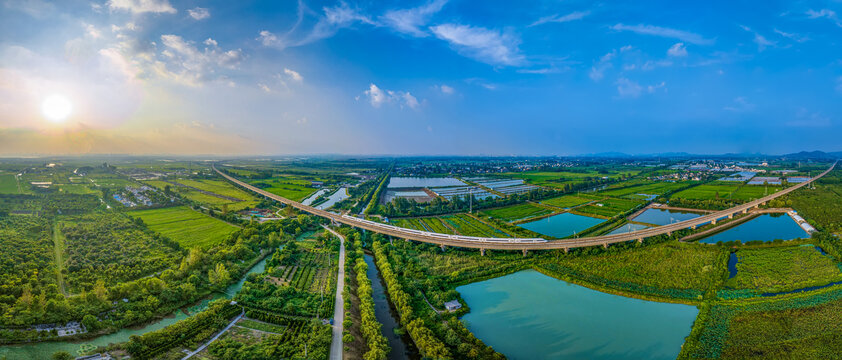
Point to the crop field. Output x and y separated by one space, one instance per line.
710 191
469 226
185 226
77 189
559 179
290 188
753 192
773 270
658 188
517 212
610 207
568 201
309 274
670 269
214 186
8 184
432 224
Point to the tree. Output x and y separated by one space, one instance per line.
62 355
90 322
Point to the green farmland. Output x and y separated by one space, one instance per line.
186 227
610 207
8 184
568 201
783 269
517 212
290 188
658 188
460 224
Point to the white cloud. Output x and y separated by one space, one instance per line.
741 104
760 40
92 31
199 13
628 88
210 42
485 45
598 70
142 6
294 75
653 88
447 90
267 38
194 66
576 15
685 36
333 19
651 65
677 50
264 87
410 21
377 97
826 14
792 36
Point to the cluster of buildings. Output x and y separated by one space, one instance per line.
138 196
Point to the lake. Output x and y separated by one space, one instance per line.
422 182
528 315
766 227
664 217
561 225
334 198
44 350
309 200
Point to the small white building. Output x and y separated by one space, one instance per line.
452 305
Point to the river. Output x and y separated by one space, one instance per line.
388 317
43 350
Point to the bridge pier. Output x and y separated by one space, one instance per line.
525 252
669 233
640 240
442 247
730 216
390 241
713 222
605 245
693 227
566 250
482 252
745 211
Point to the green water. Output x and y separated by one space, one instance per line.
766 227
562 225
44 350
528 315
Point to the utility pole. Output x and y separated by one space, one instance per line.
471 200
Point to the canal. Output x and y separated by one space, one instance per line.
402 347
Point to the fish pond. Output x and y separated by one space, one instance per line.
561 225
528 315
663 216
766 227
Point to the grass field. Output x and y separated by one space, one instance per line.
293 189
568 201
658 188
783 269
559 179
710 191
186 227
214 186
8 184
610 207
517 212
752 192
670 269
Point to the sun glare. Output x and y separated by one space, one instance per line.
56 108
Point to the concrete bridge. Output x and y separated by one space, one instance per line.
522 243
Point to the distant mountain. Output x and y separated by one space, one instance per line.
817 155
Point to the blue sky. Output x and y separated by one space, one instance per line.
421 77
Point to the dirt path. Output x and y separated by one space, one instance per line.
58 252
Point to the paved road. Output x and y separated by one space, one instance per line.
523 244
336 347
189 355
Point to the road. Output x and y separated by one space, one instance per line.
189 355
524 244
336 347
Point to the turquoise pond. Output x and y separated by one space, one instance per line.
664 217
528 315
561 225
766 227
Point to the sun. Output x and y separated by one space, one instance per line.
56 108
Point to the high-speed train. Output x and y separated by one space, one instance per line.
445 236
